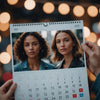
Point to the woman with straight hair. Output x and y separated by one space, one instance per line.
66 49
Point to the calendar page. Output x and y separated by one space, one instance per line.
48 62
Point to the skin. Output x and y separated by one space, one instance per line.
7 90
32 49
93 56
65 45
31 46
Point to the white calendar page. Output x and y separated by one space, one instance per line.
54 84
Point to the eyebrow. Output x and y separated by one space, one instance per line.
63 38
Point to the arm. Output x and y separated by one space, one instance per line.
7 90
93 63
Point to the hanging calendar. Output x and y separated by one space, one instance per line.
56 83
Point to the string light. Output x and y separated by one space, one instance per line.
92 37
8 49
7 76
98 42
63 8
12 2
4 27
92 11
0 38
53 33
29 4
4 57
48 7
44 34
86 31
5 17
78 11
98 27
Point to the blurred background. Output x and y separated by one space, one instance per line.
30 11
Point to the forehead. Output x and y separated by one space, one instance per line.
62 35
30 38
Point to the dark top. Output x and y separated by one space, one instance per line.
74 64
96 87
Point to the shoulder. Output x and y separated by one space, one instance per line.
17 67
20 66
96 87
47 65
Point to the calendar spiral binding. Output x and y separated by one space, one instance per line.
46 23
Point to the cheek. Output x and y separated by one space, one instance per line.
69 46
37 48
58 46
25 49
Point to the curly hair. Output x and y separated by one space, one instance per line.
19 51
76 52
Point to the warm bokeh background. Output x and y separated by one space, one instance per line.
30 11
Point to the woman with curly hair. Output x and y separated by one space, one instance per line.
66 49
30 48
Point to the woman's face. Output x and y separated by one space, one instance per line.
31 46
64 43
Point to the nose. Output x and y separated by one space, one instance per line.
62 43
30 47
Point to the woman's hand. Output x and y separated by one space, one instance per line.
7 90
93 56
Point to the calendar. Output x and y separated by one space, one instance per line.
54 83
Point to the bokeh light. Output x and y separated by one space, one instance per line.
8 49
4 57
98 27
78 11
4 27
29 4
92 11
0 39
53 33
63 8
44 34
48 7
98 42
86 31
90 75
92 37
4 17
7 76
12 2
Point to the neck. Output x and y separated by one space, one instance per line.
68 59
34 63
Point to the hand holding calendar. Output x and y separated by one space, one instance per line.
93 52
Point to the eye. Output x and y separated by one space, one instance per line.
26 44
35 44
57 41
66 40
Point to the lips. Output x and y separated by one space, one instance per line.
63 49
31 53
